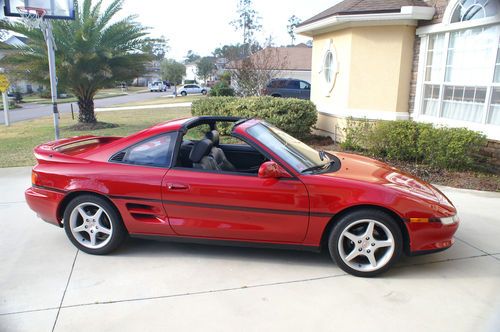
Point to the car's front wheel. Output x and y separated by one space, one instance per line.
366 243
93 225
203 92
183 93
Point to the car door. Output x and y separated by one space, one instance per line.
292 89
135 186
305 90
196 89
235 206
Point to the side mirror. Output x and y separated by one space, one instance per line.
270 169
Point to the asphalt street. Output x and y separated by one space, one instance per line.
33 111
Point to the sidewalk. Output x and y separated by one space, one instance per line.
46 284
126 108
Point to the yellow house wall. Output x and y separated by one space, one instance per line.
374 73
381 61
337 99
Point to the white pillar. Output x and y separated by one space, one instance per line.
6 108
53 80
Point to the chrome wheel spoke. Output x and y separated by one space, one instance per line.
104 230
383 244
92 239
372 259
83 213
98 214
351 236
80 228
369 229
353 254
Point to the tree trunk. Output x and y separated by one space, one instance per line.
86 106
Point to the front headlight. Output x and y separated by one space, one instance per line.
450 220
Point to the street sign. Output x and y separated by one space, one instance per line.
4 83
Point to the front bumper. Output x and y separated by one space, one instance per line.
45 203
430 236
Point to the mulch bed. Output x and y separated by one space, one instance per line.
476 180
92 126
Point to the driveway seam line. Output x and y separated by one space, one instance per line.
225 289
65 289
473 246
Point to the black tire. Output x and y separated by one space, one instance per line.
203 92
276 96
341 246
183 93
110 219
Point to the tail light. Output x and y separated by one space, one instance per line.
34 177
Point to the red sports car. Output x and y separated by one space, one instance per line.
258 186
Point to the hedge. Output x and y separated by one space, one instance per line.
294 116
450 148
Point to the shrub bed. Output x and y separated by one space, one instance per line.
294 116
449 148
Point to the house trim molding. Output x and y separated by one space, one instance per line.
408 15
364 114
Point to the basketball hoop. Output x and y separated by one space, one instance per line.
32 17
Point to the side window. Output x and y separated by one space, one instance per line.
156 151
305 85
293 84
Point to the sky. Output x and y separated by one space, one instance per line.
203 25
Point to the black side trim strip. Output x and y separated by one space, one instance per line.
226 207
230 243
50 189
131 198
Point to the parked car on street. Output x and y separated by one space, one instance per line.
288 88
177 181
192 89
157 86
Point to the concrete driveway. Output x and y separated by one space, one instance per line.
46 284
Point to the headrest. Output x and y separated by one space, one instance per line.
200 149
213 136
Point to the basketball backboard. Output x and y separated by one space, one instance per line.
54 9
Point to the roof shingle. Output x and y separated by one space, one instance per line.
353 7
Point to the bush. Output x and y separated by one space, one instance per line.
450 148
453 148
221 89
294 116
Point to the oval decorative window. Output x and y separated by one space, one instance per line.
329 67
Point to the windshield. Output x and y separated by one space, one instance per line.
297 154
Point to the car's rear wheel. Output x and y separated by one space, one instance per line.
366 243
183 93
203 92
93 225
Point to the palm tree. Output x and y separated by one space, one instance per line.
92 52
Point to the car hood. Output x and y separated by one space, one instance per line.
368 170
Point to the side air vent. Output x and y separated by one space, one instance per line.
118 157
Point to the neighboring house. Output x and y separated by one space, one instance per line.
20 84
191 72
434 61
152 74
289 62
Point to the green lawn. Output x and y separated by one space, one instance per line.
19 139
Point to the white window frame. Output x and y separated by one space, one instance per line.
490 130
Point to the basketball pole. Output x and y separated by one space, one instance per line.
49 38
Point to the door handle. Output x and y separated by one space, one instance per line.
177 186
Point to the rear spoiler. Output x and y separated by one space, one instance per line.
66 149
